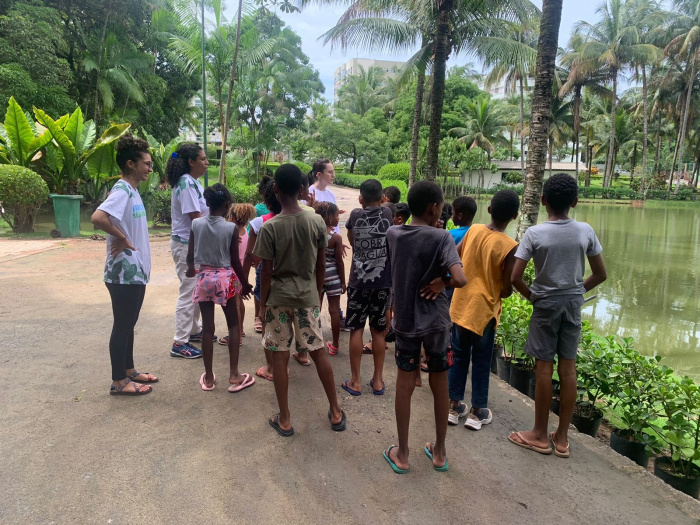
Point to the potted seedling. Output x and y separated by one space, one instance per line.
522 365
680 430
633 385
595 375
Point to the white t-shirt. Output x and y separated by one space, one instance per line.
255 224
187 197
324 196
127 213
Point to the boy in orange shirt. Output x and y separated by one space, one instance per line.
488 256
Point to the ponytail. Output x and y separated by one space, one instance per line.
179 162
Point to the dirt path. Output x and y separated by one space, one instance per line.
73 454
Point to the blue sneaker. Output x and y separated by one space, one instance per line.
197 338
185 351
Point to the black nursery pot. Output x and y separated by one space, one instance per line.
497 351
554 407
531 386
503 368
520 377
588 425
630 449
689 486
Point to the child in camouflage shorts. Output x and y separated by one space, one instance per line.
292 248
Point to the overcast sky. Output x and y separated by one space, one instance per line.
314 21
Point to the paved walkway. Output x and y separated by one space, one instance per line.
73 454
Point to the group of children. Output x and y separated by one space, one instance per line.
438 291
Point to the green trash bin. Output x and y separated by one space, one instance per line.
66 211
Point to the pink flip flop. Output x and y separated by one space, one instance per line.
248 380
204 385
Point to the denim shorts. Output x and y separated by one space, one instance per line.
256 290
438 354
555 327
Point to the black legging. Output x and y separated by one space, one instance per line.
126 305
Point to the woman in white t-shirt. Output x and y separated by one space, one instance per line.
185 167
323 174
127 269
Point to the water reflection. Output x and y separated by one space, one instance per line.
652 293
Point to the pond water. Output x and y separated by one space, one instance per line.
652 256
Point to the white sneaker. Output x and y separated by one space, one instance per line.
476 421
457 413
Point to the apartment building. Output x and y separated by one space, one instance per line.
352 67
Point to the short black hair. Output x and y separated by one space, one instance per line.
392 207
393 194
402 210
371 191
504 205
288 179
560 191
466 206
422 194
217 195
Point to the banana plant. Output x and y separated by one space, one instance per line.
20 141
72 145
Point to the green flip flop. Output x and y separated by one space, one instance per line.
429 453
394 466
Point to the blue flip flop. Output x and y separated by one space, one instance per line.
376 392
429 453
344 386
394 466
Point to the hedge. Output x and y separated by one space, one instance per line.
627 193
396 171
354 181
23 192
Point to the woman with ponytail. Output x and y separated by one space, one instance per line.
184 169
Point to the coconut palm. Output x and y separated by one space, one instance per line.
615 42
484 127
363 90
547 46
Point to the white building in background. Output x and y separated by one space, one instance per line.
195 135
352 67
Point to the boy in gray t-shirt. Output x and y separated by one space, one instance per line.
558 248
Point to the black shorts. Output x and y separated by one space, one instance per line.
364 303
438 354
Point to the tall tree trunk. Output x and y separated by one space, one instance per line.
673 162
442 52
522 127
645 133
657 154
541 113
103 39
684 123
589 161
227 116
609 168
551 151
577 123
417 110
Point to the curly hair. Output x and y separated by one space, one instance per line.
403 211
130 148
217 195
179 163
466 206
560 191
504 205
423 194
326 210
270 199
243 213
263 184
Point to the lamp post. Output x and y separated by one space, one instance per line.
204 98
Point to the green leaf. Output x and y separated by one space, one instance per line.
110 135
74 129
38 143
18 131
57 133
102 162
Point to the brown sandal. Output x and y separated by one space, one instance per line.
139 390
148 375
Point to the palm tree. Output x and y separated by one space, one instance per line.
685 46
615 42
363 90
485 128
512 57
560 125
547 46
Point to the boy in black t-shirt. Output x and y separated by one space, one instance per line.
424 260
369 289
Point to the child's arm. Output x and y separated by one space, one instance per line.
339 264
249 258
265 281
508 263
517 278
598 272
190 256
456 279
320 271
237 266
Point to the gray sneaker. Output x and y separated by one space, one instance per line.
476 420
457 413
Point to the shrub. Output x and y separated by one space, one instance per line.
303 166
354 181
397 171
23 192
242 193
159 202
514 177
